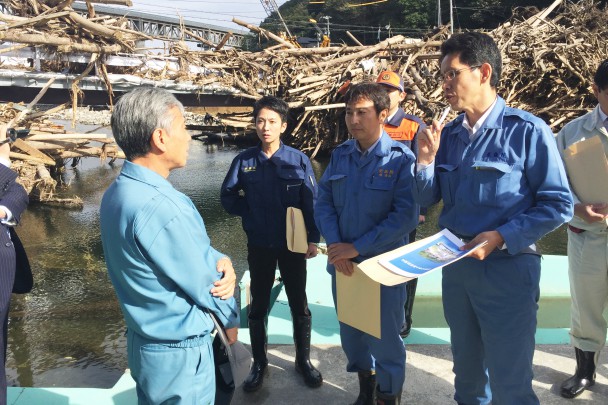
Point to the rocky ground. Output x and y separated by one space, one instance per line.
88 116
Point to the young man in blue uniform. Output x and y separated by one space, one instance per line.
365 208
159 258
403 128
587 250
261 184
501 180
13 201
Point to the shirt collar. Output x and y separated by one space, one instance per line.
390 117
603 116
370 149
396 118
472 130
263 156
143 174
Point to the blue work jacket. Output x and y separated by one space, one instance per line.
510 178
260 189
160 259
367 201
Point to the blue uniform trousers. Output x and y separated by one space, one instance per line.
491 307
387 355
172 373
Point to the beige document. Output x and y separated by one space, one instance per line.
381 274
297 237
588 170
358 301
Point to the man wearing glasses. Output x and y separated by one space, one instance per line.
499 174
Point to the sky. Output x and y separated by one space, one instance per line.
216 12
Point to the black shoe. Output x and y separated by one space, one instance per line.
255 379
259 368
385 399
405 330
367 388
301 337
583 378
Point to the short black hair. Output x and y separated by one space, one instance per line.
474 49
601 76
373 92
271 103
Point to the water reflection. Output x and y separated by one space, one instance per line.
69 331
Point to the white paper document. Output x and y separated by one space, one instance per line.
436 251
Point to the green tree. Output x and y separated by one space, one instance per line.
413 18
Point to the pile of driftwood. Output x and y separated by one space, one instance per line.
50 24
549 60
47 147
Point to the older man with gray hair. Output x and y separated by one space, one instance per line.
166 275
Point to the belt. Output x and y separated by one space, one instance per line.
575 229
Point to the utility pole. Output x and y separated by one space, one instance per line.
326 17
438 13
451 18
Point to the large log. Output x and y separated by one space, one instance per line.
64 44
127 3
265 32
35 20
92 27
32 151
362 54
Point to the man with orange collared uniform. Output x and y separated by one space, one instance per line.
403 128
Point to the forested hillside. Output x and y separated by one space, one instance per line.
375 22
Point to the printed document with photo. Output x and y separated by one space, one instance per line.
428 255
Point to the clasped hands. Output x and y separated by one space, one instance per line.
339 255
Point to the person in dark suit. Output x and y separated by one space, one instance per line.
13 201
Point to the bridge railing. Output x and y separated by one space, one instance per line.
167 28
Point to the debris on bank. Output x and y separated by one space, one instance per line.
549 59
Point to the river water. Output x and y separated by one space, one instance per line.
69 331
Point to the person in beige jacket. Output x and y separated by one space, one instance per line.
587 250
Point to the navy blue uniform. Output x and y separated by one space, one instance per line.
13 197
259 190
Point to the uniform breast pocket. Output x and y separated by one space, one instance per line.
251 184
292 181
493 184
338 189
379 193
447 182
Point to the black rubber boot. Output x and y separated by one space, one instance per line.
367 388
385 399
259 368
410 287
583 378
301 337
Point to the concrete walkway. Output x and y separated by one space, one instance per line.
429 377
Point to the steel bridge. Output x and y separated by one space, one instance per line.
168 28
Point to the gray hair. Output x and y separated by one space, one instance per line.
137 114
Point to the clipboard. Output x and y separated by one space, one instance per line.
296 234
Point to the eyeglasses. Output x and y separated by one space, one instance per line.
451 74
